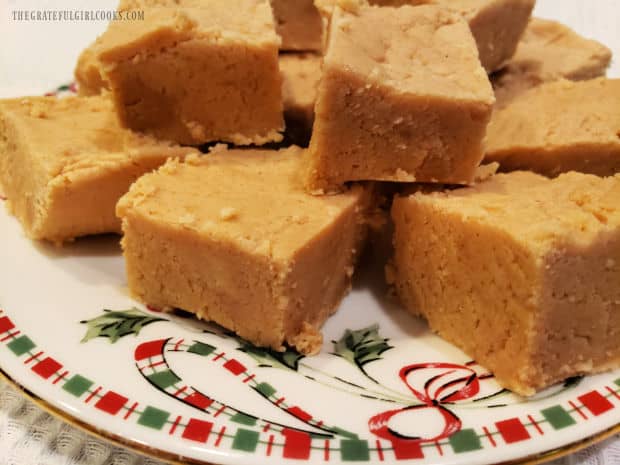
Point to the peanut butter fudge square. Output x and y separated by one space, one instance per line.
299 25
195 75
88 75
520 271
88 72
301 73
233 238
497 25
557 127
407 102
549 51
64 163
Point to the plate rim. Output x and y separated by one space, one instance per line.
173 459
175 455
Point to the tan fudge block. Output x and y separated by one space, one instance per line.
65 163
88 72
521 272
256 255
549 51
195 75
558 127
496 25
301 74
409 102
299 25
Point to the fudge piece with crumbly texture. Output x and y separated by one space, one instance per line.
520 271
496 25
301 74
88 73
549 51
195 75
299 25
559 126
409 102
64 163
257 255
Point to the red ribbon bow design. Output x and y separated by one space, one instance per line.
448 383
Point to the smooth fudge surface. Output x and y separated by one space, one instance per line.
64 163
301 73
409 102
497 25
521 272
549 51
195 75
559 126
232 237
299 24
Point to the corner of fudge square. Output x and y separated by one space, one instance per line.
408 102
256 255
195 74
520 271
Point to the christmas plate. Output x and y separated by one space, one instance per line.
384 388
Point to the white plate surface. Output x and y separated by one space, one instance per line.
187 389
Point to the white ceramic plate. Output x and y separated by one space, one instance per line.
71 335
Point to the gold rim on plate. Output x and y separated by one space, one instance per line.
161 455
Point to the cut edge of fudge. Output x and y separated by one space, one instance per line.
557 127
136 64
88 74
88 70
348 84
271 288
501 288
549 51
490 22
300 26
72 190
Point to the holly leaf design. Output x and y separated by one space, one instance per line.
116 324
287 360
361 346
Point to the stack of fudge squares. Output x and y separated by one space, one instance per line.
498 132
